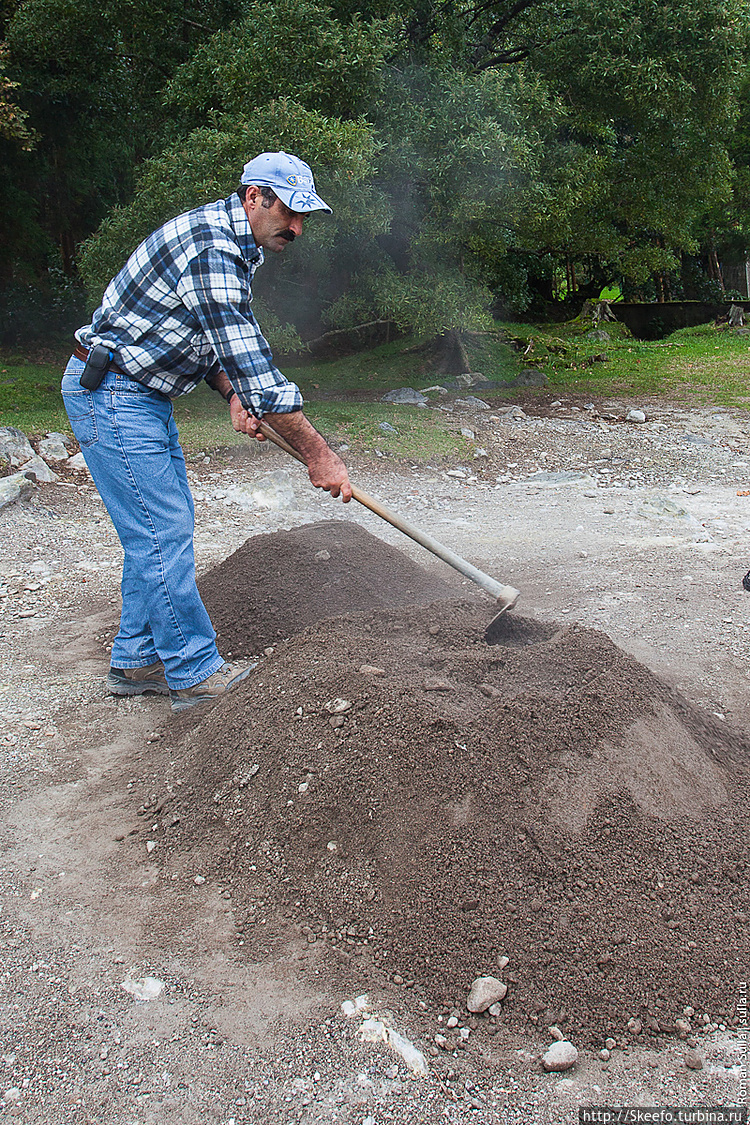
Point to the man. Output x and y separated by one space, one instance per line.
179 312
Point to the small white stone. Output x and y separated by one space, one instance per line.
562 1055
556 1033
199 879
635 416
338 706
145 988
485 991
693 1060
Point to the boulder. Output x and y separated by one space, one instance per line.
39 469
406 396
15 487
530 377
15 447
53 448
471 402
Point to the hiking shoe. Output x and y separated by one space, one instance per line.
138 681
217 684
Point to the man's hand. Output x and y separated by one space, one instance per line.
243 421
326 469
329 473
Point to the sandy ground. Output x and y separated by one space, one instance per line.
640 531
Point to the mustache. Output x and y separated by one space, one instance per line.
289 235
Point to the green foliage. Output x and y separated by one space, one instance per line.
332 69
13 120
207 165
653 93
89 76
474 154
697 365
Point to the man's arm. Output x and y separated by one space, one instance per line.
325 468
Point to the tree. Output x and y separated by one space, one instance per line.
89 77
206 166
476 152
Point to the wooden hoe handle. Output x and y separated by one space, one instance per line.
505 596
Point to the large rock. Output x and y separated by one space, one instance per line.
15 487
472 379
15 447
53 447
39 469
530 377
17 452
406 396
471 402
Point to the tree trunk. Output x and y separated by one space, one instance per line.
714 268
446 354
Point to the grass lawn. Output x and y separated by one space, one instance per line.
30 397
692 366
695 366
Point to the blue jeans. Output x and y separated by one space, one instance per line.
129 439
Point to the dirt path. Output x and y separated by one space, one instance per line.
637 531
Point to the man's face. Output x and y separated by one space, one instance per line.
274 226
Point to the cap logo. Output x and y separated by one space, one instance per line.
303 201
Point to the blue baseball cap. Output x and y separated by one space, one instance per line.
290 178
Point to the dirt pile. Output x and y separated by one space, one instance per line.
428 804
274 585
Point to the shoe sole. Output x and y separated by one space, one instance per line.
145 688
181 703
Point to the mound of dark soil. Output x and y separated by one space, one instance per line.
274 585
428 804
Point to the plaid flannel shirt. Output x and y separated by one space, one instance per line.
179 311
